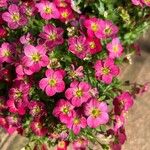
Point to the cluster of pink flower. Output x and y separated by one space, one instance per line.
75 103
141 2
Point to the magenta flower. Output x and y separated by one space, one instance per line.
115 48
94 45
63 110
78 93
119 122
97 113
93 26
48 10
6 53
35 57
53 36
37 108
78 46
66 14
38 127
108 29
3 3
18 98
106 70
123 102
76 122
14 17
53 83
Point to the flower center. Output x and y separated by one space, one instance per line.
95 112
48 10
92 45
18 94
52 36
79 47
94 27
76 121
36 57
79 93
115 48
65 109
6 53
105 70
15 17
61 145
38 126
52 82
107 31
64 14
36 110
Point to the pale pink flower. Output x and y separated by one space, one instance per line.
26 39
35 57
78 93
80 144
137 2
97 113
53 83
48 10
106 70
115 48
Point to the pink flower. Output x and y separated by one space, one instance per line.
97 113
123 102
106 70
93 26
108 29
37 108
80 144
35 57
3 3
26 39
94 45
146 2
53 36
119 122
62 3
78 46
63 110
76 122
6 53
53 83
115 48
137 2
14 18
66 14
38 127
76 73
18 98
78 93
48 10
